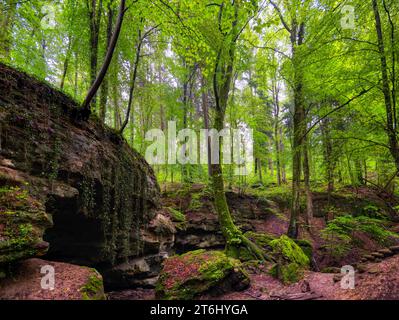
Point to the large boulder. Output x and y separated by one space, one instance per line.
187 276
101 194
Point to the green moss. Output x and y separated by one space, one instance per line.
306 247
177 215
261 239
195 202
184 277
94 288
340 233
179 218
291 260
23 219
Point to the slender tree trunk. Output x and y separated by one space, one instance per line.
100 77
75 91
222 79
105 85
306 173
276 132
390 112
8 9
328 157
205 109
299 129
66 63
281 150
260 171
133 80
95 12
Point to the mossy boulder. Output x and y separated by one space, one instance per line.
186 276
94 288
23 221
291 260
306 247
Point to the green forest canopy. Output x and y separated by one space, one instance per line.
315 79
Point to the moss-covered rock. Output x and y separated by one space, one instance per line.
306 247
23 221
291 260
186 276
178 218
94 288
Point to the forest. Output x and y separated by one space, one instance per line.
199 149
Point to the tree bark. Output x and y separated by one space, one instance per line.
8 9
105 84
100 77
306 174
222 79
299 128
66 63
95 12
133 80
390 112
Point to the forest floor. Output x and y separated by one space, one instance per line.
376 281
373 280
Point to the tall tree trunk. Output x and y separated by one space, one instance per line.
75 91
205 110
108 57
299 128
276 132
281 145
66 63
133 79
222 79
105 85
95 12
390 112
8 9
328 157
306 174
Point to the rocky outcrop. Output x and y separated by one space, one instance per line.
31 280
23 220
201 228
102 196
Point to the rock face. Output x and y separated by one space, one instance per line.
31 281
197 272
23 221
201 228
102 195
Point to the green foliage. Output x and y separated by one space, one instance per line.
340 233
94 288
